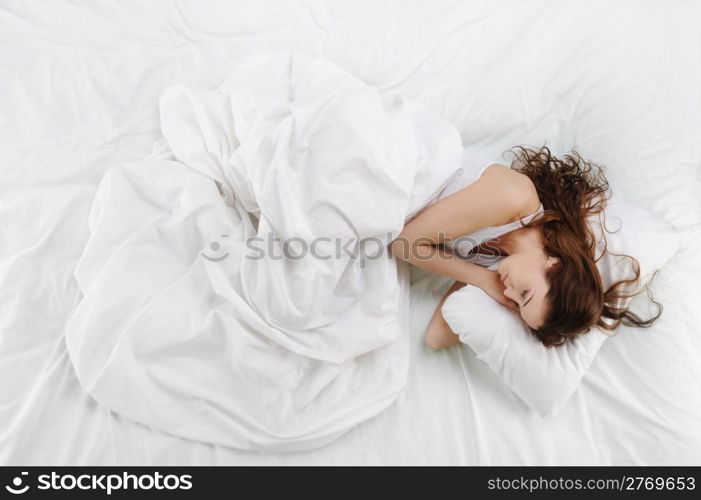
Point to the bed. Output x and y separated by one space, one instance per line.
618 81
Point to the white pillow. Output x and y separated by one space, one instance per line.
545 378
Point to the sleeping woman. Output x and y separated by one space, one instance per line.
536 214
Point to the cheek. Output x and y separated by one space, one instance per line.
533 270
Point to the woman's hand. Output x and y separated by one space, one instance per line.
490 282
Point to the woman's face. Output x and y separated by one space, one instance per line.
523 275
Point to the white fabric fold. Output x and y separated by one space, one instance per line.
194 322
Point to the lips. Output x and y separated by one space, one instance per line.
503 278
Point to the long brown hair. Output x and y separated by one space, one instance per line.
572 190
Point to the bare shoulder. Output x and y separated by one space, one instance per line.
513 187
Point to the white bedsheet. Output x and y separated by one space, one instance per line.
616 80
241 292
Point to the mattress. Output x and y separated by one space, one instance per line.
618 82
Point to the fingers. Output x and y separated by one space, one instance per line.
511 304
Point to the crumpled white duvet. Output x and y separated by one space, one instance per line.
204 313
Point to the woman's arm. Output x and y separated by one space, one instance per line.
499 196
